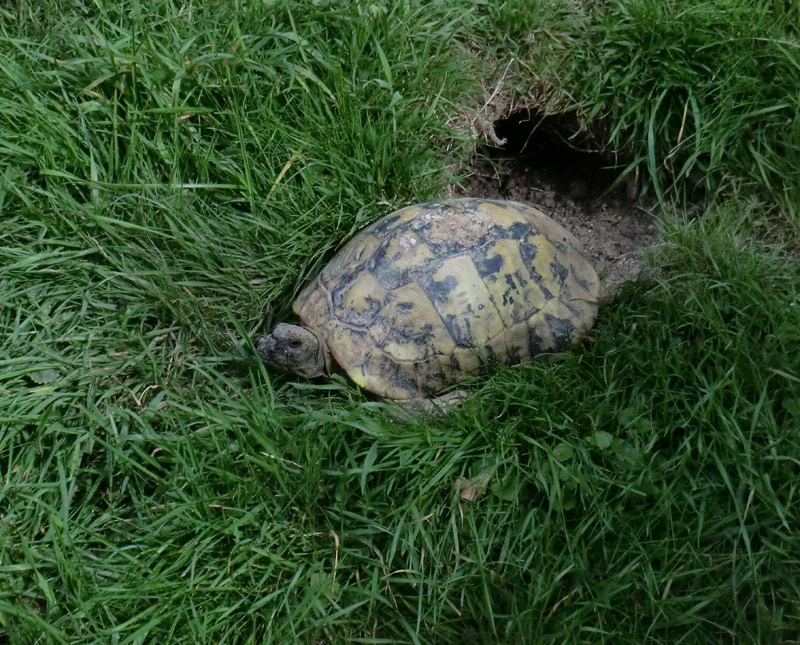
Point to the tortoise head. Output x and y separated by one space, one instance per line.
296 348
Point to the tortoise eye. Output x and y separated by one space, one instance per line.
294 344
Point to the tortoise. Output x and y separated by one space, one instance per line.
423 297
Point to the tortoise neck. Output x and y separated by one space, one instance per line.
325 356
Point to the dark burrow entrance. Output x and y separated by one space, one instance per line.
550 163
557 150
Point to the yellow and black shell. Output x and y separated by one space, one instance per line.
418 300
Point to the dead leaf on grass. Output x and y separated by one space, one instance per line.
470 489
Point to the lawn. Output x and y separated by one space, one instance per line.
173 173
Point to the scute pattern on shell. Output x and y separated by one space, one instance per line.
418 300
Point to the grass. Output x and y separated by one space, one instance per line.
172 175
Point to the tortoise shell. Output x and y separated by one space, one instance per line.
421 298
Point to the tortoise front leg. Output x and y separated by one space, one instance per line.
435 406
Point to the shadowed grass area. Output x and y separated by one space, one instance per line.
171 175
